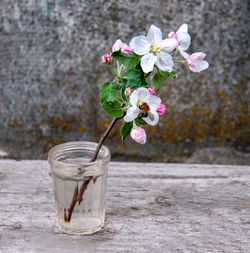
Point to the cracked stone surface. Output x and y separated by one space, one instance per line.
50 72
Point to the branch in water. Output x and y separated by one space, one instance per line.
78 195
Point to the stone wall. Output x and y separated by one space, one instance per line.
50 71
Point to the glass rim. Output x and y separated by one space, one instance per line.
77 144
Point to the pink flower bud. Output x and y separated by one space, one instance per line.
138 134
126 49
119 45
151 91
161 110
106 58
128 91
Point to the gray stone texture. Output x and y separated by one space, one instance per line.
50 72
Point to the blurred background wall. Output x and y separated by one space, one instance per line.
50 72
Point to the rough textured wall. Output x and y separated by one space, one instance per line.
50 71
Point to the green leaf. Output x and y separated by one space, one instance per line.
123 96
135 78
139 122
121 84
107 93
160 77
172 74
133 74
143 75
126 129
129 60
143 80
113 109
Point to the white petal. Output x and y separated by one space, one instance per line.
168 45
148 62
155 118
154 35
132 113
199 66
184 41
134 98
143 94
140 45
153 102
184 54
183 28
164 62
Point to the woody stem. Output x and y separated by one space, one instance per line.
78 195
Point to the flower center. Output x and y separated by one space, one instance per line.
155 49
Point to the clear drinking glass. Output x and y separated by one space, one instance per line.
72 172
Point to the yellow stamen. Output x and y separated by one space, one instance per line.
140 102
155 49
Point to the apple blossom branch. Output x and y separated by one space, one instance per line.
142 68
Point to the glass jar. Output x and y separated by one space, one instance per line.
79 186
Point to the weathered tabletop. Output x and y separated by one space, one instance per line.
151 208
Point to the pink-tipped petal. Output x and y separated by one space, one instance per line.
117 46
199 56
172 35
182 37
198 66
195 62
125 49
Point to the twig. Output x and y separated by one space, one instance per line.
103 138
67 218
83 189
78 195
